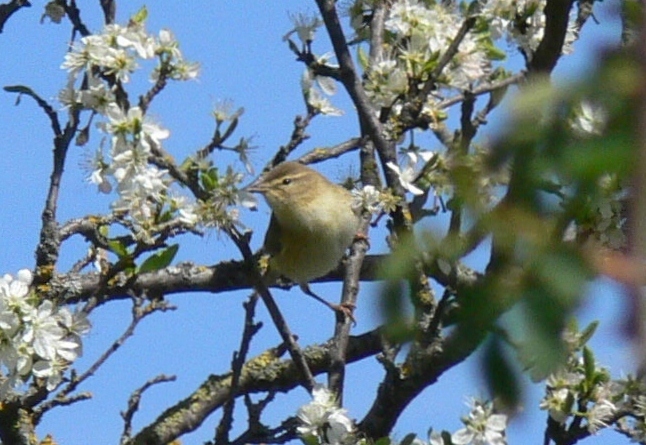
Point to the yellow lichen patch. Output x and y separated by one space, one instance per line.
48 440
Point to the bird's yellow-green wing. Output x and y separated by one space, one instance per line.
272 244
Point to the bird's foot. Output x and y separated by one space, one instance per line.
345 310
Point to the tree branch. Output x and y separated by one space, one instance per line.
349 298
557 14
222 277
239 358
8 9
135 399
263 373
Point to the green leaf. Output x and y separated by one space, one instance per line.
363 58
408 439
588 332
141 15
230 129
446 437
309 440
383 441
118 248
589 365
210 179
501 376
104 230
494 53
159 260
292 46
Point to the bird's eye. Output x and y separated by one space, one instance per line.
287 181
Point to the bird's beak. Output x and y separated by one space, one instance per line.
257 186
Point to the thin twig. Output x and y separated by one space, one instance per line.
74 14
279 321
353 85
8 9
159 85
237 364
135 399
484 89
256 431
48 248
321 154
297 138
450 52
138 314
42 103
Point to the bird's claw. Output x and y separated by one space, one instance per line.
346 310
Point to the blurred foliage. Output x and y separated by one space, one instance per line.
563 207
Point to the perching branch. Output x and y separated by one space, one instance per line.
349 295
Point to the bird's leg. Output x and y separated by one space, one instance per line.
359 236
345 309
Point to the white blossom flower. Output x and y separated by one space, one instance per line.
435 438
43 330
368 198
9 320
167 44
313 415
600 413
386 82
15 291
482 426
37 338
182 70
557 402
321 103
407 16
304 26
51 371
522 23
423 32
322 418
590 119
416 155
223 111
132 36
406 176
85 54
339 428
561 391
97 95
68 96
316 99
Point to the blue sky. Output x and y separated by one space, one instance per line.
242 57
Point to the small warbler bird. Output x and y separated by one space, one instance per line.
312 224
